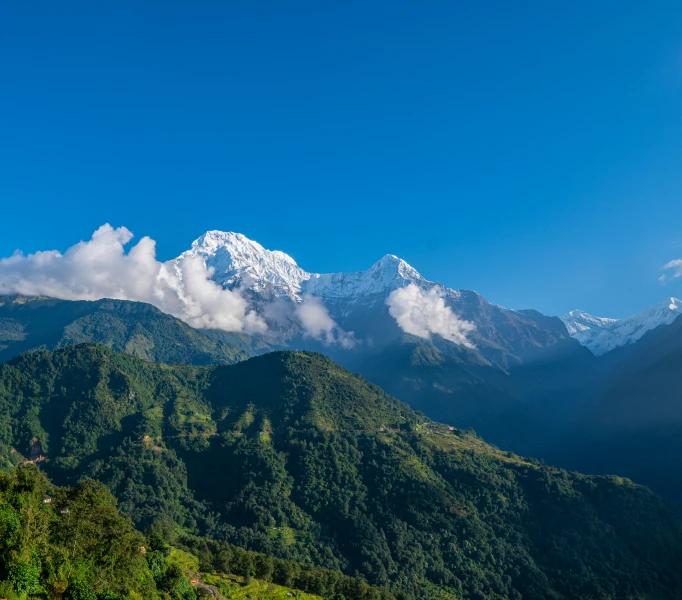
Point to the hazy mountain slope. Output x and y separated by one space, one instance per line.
522 408
635 427
448 382
653 346
290 454
650 397
132 327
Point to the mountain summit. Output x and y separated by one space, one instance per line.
358 302
239 262
601 334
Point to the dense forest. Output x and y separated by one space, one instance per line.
68 542
291 456
73 543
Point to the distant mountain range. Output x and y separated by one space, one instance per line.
602 335
500 334
357 302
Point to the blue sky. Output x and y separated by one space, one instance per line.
531 151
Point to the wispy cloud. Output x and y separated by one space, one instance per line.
318 324
424 313
101 268
674 270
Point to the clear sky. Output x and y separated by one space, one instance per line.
531 151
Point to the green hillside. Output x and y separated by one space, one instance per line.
290 455
67 542
141 330
73 543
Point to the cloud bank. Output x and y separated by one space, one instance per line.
101 268
423 313
318 324
675 268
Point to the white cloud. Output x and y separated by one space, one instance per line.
318 324
675 266
101 268
279 312
424 313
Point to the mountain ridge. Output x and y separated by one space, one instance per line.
139 329
240 263
601 334
357 302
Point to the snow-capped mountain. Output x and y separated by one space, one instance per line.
240 262
384 276
357 302
601 334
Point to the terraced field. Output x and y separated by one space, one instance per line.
232 587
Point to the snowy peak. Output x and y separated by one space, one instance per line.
390 266
601 334
673 304
578 320
384 276
241 250
238 261
358 301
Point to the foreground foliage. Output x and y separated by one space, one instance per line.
67 542
291 456
74 544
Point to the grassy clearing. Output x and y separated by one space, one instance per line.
233 587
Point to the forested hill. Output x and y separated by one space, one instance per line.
139 329
291 455
74 544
